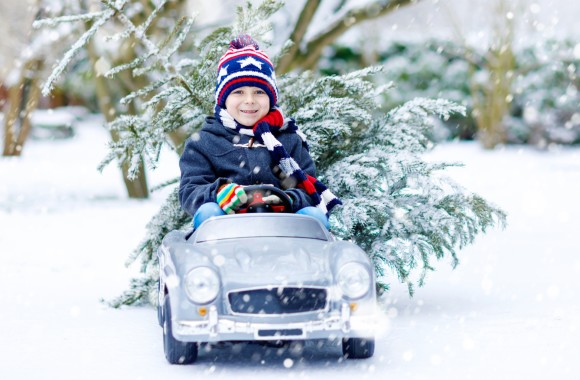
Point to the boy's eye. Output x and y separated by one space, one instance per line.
260 92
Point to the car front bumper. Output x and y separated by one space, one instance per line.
220 328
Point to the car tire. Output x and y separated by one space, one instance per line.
176 352
358 348
159 308
160 315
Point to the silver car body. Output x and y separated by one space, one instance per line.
277 280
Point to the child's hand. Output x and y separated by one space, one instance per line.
272 199
230 197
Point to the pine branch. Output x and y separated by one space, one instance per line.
254 21
52 22
75 49
141 291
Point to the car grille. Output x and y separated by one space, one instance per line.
281 300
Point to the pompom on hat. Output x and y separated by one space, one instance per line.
244 64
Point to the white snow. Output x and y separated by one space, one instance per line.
510 310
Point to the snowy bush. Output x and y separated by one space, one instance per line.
545 89
548 92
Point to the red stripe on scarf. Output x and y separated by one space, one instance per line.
308 185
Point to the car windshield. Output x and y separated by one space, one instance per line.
240 228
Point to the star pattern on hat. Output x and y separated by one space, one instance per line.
223 72
250 61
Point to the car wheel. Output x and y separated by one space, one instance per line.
176 352
358 348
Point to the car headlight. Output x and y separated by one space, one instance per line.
202 284
354 280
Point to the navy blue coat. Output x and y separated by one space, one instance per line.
218 155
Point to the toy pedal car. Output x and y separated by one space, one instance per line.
263 276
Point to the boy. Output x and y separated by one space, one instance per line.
248 141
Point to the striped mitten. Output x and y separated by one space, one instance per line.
230 196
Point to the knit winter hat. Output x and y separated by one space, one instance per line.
244 64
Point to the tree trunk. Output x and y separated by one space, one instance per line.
493 102
306 15
23 98
136 188
11 119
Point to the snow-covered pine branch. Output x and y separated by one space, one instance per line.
255 21
143 289
180 32
74 50
330 110
53 22
396 205
407 126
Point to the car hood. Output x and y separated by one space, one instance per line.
270 261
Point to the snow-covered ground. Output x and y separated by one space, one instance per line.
510 310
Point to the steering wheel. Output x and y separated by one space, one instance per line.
256 203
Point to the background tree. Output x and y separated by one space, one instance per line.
396 206
104 44
304 53
23 92
23 96
491 93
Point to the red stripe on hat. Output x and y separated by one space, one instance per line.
248 50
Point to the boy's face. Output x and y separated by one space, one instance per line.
248 105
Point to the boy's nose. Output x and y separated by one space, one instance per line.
249 98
